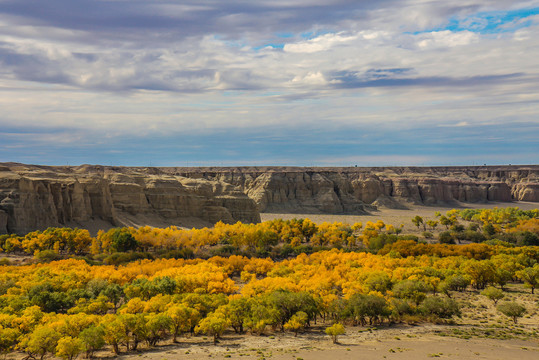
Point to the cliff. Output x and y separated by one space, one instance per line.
35 197
356 190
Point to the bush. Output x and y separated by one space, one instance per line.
473 236
427 235
47 256
185 253
119 258
409 237
445 237
527 238
489 229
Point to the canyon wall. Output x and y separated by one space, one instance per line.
355 190
35 197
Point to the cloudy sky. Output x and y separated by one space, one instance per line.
269 82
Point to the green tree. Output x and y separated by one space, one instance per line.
122 240
444 308
512 309
418 221
432 224
446 237
361 307
493 294
157 326
93 339
414 290
236 312
378 281
530 276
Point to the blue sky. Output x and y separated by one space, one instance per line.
297 82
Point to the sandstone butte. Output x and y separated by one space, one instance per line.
36 197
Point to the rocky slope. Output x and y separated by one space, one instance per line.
35 197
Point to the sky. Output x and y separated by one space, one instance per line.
269 82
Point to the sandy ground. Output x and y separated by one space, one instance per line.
398 342
396 217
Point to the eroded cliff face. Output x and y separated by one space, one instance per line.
356 190
37 197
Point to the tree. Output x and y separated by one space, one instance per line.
530 276
8 339
444 308
214 325
445 221
114 332
378 281
493 294
123 240
157 326
480 272
334 331
361 307
259 316
414 290
453 283
432 224
512 309
418 221
43 340
69 348
296 322
236 312
183 318
93 339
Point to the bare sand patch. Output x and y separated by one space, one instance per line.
397 216
397 342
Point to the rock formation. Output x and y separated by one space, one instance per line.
353 190
35 197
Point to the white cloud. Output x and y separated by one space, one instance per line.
320 43
446 39
311 78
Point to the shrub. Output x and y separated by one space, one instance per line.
445 237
